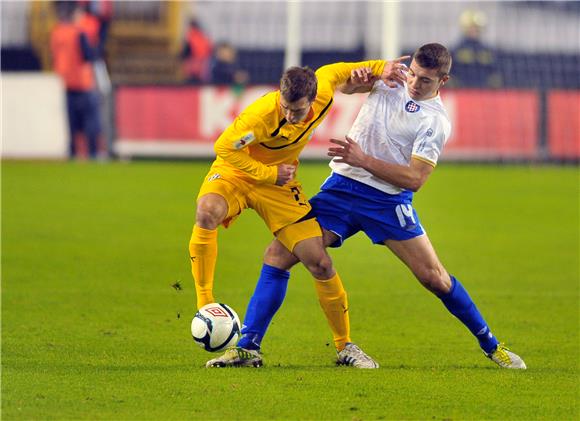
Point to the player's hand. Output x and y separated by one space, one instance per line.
360 80
362 76
394 73
285 174
348 152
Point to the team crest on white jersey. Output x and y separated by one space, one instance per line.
244 140
412 107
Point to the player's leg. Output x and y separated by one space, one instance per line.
333 300
305 240
280 207
311 251
267 298
211 211
331 294
269 293
272 284
333 214
217 202
420 256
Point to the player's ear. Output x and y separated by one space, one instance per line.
444 80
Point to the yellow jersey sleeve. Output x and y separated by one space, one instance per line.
338 73
248 128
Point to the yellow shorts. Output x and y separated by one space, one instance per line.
278 206
302 230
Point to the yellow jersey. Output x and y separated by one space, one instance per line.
260 138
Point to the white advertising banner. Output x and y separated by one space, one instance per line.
34 121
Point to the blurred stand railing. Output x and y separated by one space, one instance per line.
144 42
142 45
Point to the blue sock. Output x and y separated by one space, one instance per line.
459 303
267 299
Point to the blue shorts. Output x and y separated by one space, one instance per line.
345 207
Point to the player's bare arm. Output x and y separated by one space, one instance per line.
410 177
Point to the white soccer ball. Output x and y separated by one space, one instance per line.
215 326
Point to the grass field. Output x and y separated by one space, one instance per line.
92 329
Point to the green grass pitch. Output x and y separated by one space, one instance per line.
92 328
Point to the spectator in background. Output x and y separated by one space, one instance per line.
72 59
96 22
225 69
196 54
474 62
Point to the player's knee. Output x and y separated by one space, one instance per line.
320 268
278 256
434 279
210 214
206 220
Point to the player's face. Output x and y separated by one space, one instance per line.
296 111
423 83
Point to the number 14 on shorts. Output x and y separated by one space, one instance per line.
406 216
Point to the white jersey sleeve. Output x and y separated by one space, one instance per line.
431 137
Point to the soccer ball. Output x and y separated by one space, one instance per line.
215 326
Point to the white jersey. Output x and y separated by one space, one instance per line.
393 127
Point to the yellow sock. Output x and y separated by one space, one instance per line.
334 303
203 254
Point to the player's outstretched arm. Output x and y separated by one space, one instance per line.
410 177
362 79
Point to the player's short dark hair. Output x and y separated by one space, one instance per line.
298 82
434 56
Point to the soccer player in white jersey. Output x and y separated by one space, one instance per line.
389 153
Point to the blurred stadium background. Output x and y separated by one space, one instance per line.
515 94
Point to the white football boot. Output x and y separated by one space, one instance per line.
354 356
503 357
237 357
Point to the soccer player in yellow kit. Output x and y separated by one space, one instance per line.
257 156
